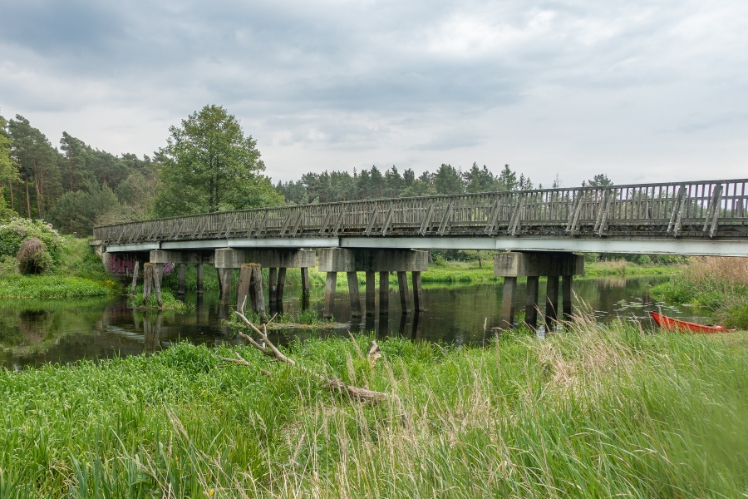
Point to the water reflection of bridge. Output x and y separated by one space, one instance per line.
541 227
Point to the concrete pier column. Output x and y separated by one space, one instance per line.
279 290
531 303
225 280
242 288
259 296
180 279
353 293
566 284
200 286
372 261
304 288
371 293
384 293
158 274
507 302
330 283
402 283
134 277
418 304
147 280
551 303
533 265
273 288
219 272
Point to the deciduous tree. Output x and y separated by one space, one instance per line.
209 165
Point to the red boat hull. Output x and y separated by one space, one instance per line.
670 324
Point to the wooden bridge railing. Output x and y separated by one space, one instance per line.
687 209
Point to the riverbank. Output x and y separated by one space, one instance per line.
718 284
601 411
77 272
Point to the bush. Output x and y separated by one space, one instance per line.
33 257
18 230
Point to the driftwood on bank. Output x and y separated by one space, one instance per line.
268 348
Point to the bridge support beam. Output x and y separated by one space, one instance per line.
330 285
304 288
531 303
533 265
277 260
273 289
372 261
371 293
353 294
249 289
180 280
200 288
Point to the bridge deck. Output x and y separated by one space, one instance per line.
704 212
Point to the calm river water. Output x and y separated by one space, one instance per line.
35 332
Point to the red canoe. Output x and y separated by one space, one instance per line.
670 324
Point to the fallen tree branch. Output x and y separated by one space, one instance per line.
268 348
243 362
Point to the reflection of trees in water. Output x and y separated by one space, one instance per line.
33 325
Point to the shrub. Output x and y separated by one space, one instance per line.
13 233
33 257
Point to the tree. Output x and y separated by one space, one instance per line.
448 181
508 179
37 162
8 167
209 165
599 180
480 180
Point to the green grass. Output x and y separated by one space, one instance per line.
168 301
53 286
598 412
77 273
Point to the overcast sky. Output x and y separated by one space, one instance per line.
645 91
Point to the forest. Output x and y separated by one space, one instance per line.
208 164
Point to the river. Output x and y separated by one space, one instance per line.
37 332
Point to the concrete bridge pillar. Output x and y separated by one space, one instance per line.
181 259
371 261
533 265
276 260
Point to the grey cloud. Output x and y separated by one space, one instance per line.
374 76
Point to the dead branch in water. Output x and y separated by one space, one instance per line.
268 348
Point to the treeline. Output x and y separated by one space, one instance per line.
335 186
73 186
207 164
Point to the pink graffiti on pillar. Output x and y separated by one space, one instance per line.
117 264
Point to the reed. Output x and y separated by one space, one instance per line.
718 283
599 411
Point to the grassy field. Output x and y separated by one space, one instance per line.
597 412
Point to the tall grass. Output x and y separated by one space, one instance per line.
718 283
596 412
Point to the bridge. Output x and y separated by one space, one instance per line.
541 228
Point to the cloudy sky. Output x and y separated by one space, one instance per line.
642 90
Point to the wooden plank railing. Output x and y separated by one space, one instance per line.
711 209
